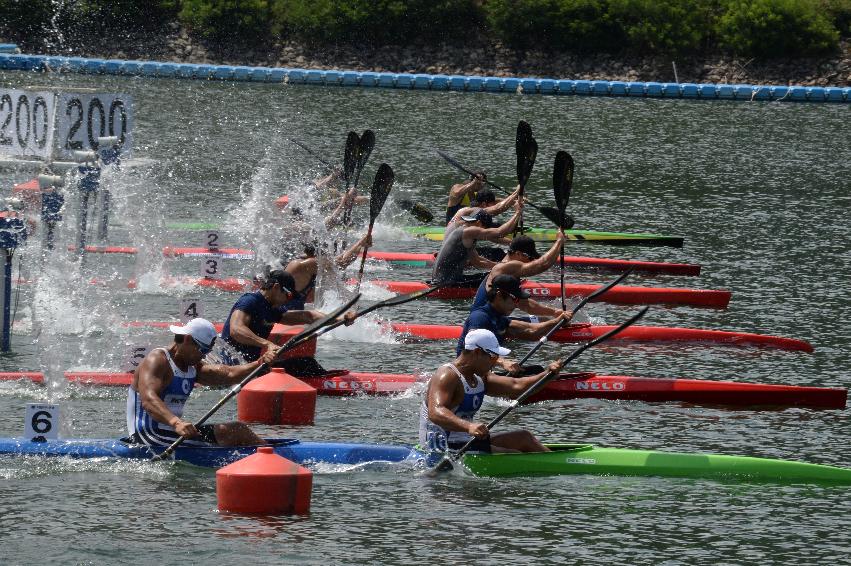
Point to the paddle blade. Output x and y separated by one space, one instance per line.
367 143
419 211
380 189
526 161
350 157
562 179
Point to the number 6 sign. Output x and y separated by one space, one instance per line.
42 421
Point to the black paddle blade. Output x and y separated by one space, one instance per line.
526 161
380 189
350 157
367 143
419 211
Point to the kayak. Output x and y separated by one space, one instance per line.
569 459
619 295
340 383
566 459
435 233
635 333
575 263
170 251
214 456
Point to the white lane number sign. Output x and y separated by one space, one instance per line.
42 421
26 123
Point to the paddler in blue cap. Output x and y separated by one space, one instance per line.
247 328
459 245
456 391
163 382
502 298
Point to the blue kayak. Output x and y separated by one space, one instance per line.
215 456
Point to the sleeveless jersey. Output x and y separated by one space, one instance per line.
451 259
142 424
451 211
300 297
436 439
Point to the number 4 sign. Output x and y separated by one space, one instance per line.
42 421
191 307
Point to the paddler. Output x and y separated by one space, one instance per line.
164 380
504 295
252 317
305 268
485 199
521 261
456 391
459 243
462 194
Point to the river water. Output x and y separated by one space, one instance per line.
760 192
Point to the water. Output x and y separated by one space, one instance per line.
760 192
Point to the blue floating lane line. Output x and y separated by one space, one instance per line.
11 60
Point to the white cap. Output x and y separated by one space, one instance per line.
201 329
486 340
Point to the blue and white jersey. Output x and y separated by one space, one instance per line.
140 422
436 439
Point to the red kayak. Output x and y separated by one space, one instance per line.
568 386
422 259
635 333
620 295
573 262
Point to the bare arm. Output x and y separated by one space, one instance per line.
353 252
444 394
152 379
217 374
512 387
476 260
544 262
457 192
239 331
472 233
532 306
530 330
504 204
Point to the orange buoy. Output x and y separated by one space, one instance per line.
264 483
277 398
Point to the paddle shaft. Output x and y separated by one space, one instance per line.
535 387
582 303
311 152
363 256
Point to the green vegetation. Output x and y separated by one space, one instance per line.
756 28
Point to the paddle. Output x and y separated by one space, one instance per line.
322 160
543 339
419 211
380 189
547 212
350 158
309 331
526 149
391 302
365 145
448 461
562 185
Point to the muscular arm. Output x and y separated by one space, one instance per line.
530 331
241 333
351 254
445 393
217 374
512 387
472 233
503 205
457 192
532 306
152 379
476 260
543 263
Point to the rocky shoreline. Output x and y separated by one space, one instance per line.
480 57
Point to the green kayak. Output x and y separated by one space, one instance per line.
575 236
568 459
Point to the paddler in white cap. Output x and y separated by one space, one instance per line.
456 391
164 380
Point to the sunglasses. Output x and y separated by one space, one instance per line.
489 353
202 349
